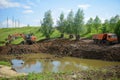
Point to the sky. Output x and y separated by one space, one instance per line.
24 12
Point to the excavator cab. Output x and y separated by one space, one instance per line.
30 39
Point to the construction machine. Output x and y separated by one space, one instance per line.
28 38
107 38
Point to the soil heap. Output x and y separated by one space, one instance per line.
65 47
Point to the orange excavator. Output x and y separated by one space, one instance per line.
28 38
107 38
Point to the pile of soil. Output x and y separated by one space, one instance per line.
64 47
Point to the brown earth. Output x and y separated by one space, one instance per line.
106 73
6 71
63 47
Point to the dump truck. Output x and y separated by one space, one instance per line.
28 38
105 38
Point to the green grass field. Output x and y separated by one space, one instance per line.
4 32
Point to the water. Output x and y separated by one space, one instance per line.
48 63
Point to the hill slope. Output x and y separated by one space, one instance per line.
35 30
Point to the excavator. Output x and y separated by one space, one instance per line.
28 38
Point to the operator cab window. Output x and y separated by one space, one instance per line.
112 36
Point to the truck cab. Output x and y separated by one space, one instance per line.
112 38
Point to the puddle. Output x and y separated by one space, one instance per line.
39 65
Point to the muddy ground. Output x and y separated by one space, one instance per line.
6 71
63 47
108 73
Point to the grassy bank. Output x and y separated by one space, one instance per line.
26 30
6 63
80 75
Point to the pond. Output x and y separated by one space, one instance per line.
48 63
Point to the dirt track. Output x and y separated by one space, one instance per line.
64 47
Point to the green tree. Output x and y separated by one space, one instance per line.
113 22
70 22
78 23
61 24
97 23
47 25
117 30
89 25
117 18
105 26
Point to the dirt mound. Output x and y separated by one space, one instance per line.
64 47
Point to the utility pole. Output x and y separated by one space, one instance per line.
18 23
15 22
1 24
12 21
7 22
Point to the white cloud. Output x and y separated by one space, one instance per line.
11 24
65 11
8 4
26 7
30 3
28 11
84 6
4 23
36 22
55 21
69 10
102 20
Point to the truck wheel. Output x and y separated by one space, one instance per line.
23 42
93 40
99 41
96 41
6 43
107 43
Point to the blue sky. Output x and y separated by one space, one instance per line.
32 11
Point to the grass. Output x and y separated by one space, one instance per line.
26 30
6 63
80 75
6 31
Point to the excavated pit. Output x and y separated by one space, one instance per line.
63 47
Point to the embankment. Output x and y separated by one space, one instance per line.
64 47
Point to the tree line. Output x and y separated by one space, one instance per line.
74 24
